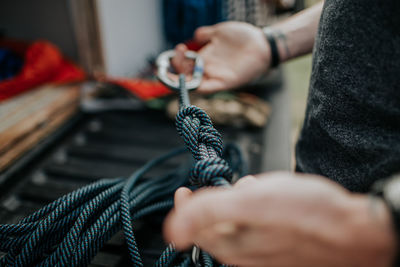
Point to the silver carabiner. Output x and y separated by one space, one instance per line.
196 256
163 63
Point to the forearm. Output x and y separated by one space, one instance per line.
295 36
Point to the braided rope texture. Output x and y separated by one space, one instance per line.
205 144
72 229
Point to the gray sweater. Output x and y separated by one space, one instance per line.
351 133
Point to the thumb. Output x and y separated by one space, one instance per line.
182 195
204 34
245 181
178 60
209 86
201 211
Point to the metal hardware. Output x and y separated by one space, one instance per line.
164 66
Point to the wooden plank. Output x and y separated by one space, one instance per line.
34 137
20 117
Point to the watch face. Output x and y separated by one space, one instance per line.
391 191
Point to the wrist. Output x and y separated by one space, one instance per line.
264 50
275 57
279 45
372 233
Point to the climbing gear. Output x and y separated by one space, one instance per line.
163 63
71 230
183 92
196 255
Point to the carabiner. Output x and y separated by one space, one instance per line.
163 63
196 256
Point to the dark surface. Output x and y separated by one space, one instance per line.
351 132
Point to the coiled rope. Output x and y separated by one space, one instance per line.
72 229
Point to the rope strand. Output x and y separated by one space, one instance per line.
72 229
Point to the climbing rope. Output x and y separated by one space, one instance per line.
72 229
205 144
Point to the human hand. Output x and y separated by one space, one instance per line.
234 54
284 220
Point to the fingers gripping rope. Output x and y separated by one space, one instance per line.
205 143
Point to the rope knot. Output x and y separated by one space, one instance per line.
198 133
210 172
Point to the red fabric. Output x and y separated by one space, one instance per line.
143 89
193 45
44 63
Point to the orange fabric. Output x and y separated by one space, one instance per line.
44 63
143 89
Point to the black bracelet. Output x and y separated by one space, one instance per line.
275 58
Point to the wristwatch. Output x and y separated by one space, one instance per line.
389 190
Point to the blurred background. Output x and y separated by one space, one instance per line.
106 49
118 38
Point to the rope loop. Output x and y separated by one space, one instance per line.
207 171
198 133
194 112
